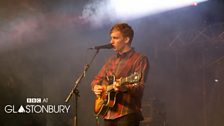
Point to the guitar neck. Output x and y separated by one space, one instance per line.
130 79
123 80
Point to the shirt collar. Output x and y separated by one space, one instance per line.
126 54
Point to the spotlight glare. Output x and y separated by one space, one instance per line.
139 8
103 11
195 4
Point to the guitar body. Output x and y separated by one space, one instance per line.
104 102
107 99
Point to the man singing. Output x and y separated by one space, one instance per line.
127 108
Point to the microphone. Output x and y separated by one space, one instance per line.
107 46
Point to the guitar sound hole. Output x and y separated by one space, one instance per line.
110 79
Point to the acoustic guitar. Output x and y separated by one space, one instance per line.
107 99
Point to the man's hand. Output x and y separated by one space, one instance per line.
118 87
97 89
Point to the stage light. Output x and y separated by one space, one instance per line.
195 4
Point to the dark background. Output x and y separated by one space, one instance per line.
44 46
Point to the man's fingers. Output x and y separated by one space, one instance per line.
98 90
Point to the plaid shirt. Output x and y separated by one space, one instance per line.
122 66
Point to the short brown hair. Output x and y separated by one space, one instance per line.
125 29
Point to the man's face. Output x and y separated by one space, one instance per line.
118 41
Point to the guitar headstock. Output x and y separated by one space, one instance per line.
133 78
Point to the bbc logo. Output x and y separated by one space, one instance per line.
33 100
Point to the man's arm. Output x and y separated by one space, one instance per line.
96 83
141 66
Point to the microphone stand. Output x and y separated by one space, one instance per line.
75 88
